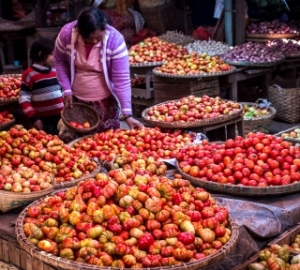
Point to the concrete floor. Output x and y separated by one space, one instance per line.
277 126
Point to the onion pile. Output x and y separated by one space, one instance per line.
271 27
253 52
209 47
286 46
177 38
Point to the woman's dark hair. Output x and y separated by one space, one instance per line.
41 48
89 20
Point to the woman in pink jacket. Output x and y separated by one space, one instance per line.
91 59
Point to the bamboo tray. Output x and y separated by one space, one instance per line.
240 190
199 123
62 263
292 140
191 76
149 64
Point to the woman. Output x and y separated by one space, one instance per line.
92 66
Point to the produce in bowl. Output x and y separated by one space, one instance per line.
271 27
10 86
209 47
191 109
293 134
288 47
138 221
253 53
252 111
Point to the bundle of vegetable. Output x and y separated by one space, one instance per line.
177 38
210 47
271 27
253 52
286 46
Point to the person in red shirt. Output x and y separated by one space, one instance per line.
41 96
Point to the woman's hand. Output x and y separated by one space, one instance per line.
133 123
68 101
38 125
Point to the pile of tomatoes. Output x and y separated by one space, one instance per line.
257 160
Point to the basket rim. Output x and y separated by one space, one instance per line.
288 35
7 124
269 116
239 189
68 264
80 130
198 75
252 64
199 123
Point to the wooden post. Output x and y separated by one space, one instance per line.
239 22
41 18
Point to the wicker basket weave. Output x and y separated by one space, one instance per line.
285 97
80 113
62 263
258 124
161 18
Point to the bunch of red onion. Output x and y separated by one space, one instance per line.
271 27
253 52
286 46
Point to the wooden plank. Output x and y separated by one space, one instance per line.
5 252
15 255
239 19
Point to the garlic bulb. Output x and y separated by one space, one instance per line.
177 38
210 47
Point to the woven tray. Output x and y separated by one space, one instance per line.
80 113
291 35
199 123
150 64
258 124
76 181
251 64
199 75
72 265
293 141
239 189
7 124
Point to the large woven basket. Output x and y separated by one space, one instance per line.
184 125
240 190
62 263
285 97
160 18
258 124
12 200
80 113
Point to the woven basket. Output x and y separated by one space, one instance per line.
62 263
160 18
71 183
240 190
258 124
12 200
285 97
198 123
80 113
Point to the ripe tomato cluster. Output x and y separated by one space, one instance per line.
135 221
257 160
10 86
191 109
150 141
40 151
153 49
194 64
5 117
85 124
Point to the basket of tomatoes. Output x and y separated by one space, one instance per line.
80 117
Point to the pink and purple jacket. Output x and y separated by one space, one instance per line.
113 57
